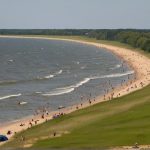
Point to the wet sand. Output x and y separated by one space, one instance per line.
138 62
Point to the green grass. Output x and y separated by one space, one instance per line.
122 121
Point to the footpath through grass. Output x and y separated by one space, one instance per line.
122 121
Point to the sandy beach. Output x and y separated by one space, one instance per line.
138 62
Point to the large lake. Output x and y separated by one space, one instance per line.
50 73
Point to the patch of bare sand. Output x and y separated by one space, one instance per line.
139 147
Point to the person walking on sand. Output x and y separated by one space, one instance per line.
54 134
30 123
22 138
90 102
42 116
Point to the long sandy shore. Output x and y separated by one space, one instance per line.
138 62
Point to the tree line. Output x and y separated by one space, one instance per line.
135 38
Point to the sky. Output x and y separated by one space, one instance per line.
74 14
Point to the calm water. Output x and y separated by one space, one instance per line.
52 73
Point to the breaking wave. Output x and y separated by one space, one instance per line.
59 91
48 77
69 89
10 96
8 82
59 72
114 75
51 75
116 67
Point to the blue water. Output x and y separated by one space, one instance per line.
52 73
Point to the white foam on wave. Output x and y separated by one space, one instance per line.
10 60
38 92
59 91
52 75
78 62
81 83
10 96
114 75
116 67
49 76
69 89
59 72
83 67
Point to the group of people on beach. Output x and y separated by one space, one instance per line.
43 114
110 92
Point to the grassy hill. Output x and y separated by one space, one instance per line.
122 121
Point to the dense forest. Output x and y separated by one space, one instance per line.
133 37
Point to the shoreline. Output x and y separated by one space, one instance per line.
138 62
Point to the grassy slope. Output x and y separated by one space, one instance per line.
119 122
122 121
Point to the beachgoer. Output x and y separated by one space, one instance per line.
42 116
22 138
30 123
22 124
90 102
9 132
54 134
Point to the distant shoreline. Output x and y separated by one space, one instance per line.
139 63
